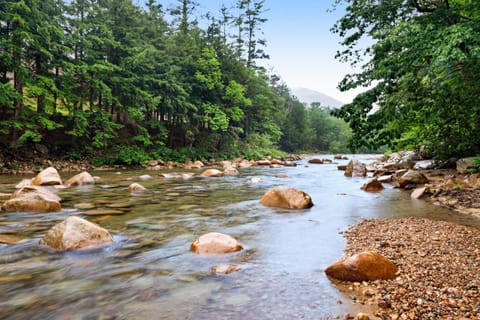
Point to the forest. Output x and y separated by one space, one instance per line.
421 74
122 83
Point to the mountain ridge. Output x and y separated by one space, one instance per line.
309 96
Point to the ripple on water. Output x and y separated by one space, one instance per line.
149 272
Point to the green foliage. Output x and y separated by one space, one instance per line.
122 83
131 155
423 72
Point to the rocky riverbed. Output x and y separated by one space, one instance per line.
439 268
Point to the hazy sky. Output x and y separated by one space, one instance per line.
300 43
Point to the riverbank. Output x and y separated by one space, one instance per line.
34 167
439 267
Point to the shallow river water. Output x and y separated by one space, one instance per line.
150 273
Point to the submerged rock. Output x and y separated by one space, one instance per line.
177 175
365 266
225 269
47 177
231 171
286 197
137 188
75 233
212 173
215 243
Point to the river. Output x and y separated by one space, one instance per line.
149 272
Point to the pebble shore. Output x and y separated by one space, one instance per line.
439 268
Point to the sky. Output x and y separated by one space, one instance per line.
300 44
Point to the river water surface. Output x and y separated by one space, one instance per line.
149 273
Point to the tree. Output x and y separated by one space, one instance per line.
248 24
423 72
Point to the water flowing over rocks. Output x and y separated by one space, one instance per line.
215 243
225 269
177 175
439 264
286 197
364 266
230 171
75 233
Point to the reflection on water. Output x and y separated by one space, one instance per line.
149 273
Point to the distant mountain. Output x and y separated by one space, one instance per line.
308 96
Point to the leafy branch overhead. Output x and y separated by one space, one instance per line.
421 70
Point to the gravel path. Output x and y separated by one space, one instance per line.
439 265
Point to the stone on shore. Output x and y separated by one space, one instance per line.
32 199
412 178
286 197
365 266
463 165
426 164
401 160
439 263
215 243
81 179
75 233
418 193
372 186
47 177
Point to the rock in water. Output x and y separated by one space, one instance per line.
365 266
32 199
356 169
372 186
47 177
137 188
75 233
215 243
212 173
80 179
286 197
230 171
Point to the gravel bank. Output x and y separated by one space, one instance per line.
439 268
